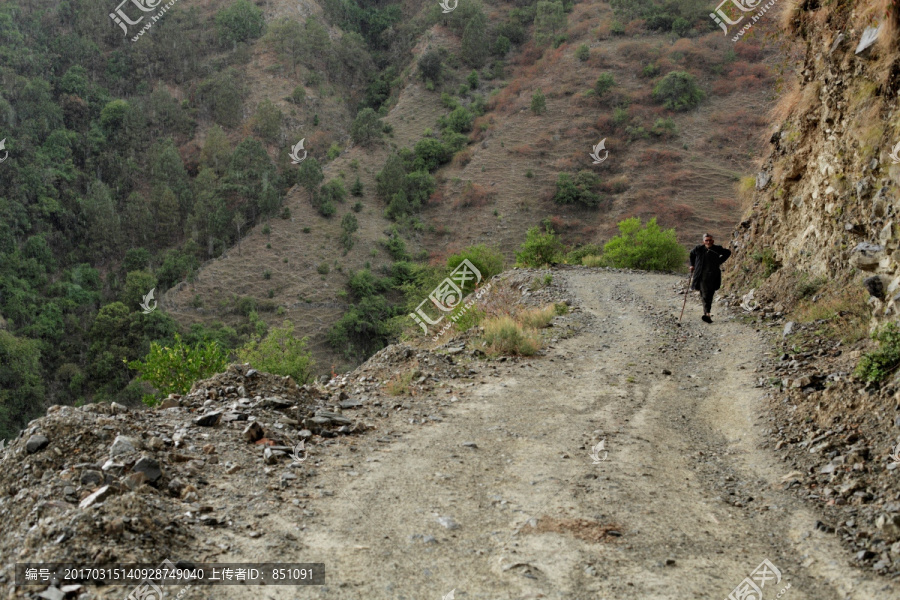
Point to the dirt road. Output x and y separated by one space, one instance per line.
500 499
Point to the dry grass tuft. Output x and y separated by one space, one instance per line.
503 335
537 318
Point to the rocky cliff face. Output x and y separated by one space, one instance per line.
826 205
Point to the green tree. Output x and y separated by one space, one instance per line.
173 370
678 90
167 169
210 221
137 219
252 175
286 35
310 175
549 18
475 41
366 128
240 22
280 353
216 153
391 178
21 387
538 102
349 225
649 247
267 121
103 223
431 66
137 285
357 188
222 95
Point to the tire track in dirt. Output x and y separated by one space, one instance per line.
683 479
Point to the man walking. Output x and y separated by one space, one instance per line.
706 276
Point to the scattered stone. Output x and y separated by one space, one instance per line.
36 443
97 497
788 329
252 433
122 445
52 593
666 372
135 480
208 420
470 444
169 403
91 478
149 467
448 522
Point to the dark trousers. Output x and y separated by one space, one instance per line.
706 294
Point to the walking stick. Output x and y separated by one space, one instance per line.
690 277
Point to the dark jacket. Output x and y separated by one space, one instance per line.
706 264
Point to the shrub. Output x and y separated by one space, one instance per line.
280 353
579 190
458 121
245 305
173 370
429 154
488 261
357 207
576 254
323 269
583 53
664 127
651 70
333 151
648 247
616 28
593 261
449 102
539 249
472 79
678 91
503 335
875 366
267 274
603 84
468 319
766 257
298 95
357 188
561 308
538 102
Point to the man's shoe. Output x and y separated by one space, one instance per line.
706 319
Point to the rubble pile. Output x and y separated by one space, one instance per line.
103 483
839 435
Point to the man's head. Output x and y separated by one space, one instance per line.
708 240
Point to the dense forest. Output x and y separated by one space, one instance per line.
132 162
